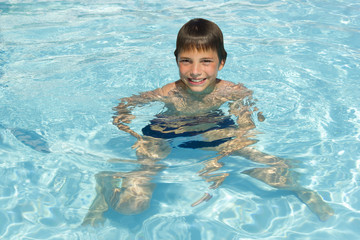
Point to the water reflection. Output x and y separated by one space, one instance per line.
231 133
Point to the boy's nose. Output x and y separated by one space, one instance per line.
195 70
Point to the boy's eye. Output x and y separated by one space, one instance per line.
184 61
207 61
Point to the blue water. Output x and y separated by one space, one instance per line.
65 64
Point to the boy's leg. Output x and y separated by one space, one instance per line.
260 157
134 190
128 193
99 205
279 175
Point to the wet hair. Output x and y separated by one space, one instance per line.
202 35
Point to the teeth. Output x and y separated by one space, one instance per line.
196 80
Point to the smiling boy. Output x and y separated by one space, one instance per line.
198 71
200 55
193 107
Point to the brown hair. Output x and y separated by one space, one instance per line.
200 34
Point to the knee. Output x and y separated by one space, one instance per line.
129 203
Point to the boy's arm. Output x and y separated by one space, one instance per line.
124 115
242 107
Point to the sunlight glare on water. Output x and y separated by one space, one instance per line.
65 64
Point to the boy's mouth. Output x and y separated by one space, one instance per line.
196 81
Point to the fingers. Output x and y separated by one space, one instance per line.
206 197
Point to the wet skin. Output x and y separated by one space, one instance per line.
195 94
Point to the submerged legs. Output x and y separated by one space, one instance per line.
279 175
131 192
128 193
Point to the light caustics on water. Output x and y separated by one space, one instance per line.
64 65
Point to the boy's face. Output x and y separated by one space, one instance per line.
198 69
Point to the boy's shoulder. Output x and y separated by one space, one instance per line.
165 90
231 86
225 83
233 91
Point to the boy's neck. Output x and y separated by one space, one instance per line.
202 94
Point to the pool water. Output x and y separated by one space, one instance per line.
65 64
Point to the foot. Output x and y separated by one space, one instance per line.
316 204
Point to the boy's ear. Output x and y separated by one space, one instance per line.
221 64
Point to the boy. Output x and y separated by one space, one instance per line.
193 107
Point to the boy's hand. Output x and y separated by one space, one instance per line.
123 118
208 172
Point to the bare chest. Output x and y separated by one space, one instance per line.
194 106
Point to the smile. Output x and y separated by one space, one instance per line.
197 81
